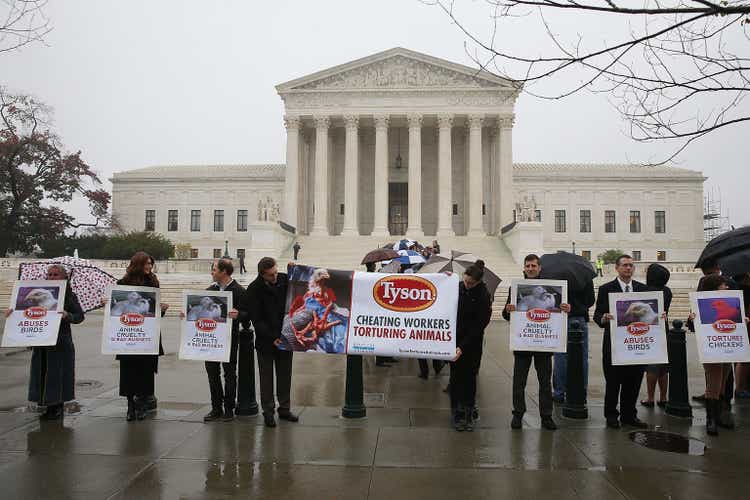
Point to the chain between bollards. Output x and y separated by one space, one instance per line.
354 399
575 395
678 404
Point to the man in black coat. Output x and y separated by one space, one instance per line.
266 297
623 382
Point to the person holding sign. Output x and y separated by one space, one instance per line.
52 380
522 362
622 382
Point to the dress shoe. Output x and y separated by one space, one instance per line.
247 413
636 422
269 420
613 423
516 422
228 415
549 424
475 414
288 416
423 376
213 415
53 412
148 403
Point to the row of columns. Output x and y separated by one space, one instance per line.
503 178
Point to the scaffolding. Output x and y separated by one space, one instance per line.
714 221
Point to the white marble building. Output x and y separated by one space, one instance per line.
404 143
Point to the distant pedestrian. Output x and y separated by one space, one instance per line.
600 267
657 277
243 270
296 249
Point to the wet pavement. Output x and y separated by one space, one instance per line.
403 449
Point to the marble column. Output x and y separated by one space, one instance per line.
380 227
475 226
414 229
351 177
320 204
505 160
445 182
292 176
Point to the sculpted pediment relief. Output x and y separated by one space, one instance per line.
399 72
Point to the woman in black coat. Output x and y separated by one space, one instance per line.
472 318
657 277
137 370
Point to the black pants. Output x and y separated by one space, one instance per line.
246 401
270 360
623 383
224 396
424 368
463 379
543 366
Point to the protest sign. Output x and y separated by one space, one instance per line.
637 329
36 316
720 329
206 329
131 320
538 323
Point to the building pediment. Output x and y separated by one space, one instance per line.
398 69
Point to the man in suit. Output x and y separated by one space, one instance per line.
623 382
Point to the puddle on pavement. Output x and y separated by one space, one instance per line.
667 441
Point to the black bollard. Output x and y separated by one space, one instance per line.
246 399
575 395
354 400
678 404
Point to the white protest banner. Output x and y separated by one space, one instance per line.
131 320
404 315
36 316
206 333
720 329
637 332
538 323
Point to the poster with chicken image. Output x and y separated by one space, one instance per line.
37 307
637 330
720 328
538 323
131 320
206 328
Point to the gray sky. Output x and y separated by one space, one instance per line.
142 83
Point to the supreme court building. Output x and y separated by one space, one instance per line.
402 143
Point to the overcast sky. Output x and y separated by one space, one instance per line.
142 83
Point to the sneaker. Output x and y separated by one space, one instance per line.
288 416
269 420
517 422
469 426
213 415
228 415
549 424
459 420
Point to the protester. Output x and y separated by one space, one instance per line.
266 297
718 407
522 362
52 378
600 267
657 277
137 370
622 382
472 318
296 249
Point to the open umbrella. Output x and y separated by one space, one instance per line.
724 245
404 244
408 257
457 262
574 269
379 255
88 282
735 263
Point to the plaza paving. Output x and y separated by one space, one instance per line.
403 449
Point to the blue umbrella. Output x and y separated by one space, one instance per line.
408 257
403 244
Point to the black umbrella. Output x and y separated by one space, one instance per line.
574 269
379 255
735 263
724 245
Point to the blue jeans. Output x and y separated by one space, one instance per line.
560 375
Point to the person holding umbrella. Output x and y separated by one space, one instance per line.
52 380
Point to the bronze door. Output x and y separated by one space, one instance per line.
398 207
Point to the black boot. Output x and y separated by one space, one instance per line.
140 408
53 412
712 408
725 418
130 416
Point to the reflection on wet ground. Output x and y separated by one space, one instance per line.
403 449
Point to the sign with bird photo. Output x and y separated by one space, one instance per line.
638 329
538 323
131 320
36 307
720 328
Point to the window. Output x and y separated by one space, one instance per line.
586 221
660 222
609 221
635 221
559 221
172 220
217 253
150 220
241 220
193 253
537 216
341 209
195 221
636 255
218 220
455 209
586 254
661 255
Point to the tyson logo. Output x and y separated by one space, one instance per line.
404 293
724 325
205 324
132 319
538 315
638 328
35 312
